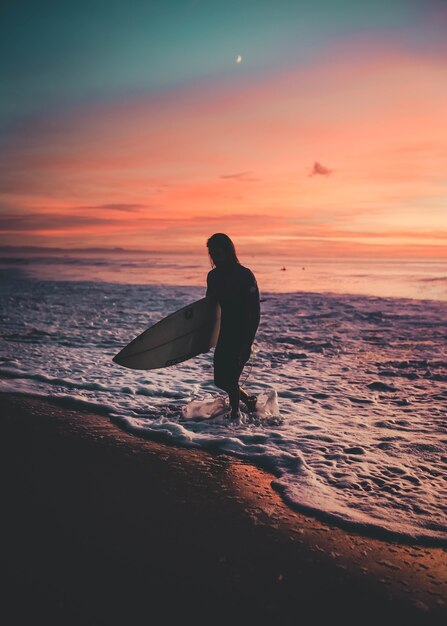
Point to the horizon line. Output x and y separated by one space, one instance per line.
367 254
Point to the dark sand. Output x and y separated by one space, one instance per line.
100 527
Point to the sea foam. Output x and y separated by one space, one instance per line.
351 419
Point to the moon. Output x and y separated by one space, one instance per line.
238 59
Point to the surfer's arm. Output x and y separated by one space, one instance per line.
253 313
252 323
210 287
252 317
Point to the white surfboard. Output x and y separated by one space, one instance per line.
192 330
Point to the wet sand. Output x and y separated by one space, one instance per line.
101 527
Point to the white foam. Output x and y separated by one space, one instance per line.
207 408
215 406
351 413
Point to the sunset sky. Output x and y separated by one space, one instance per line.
132 124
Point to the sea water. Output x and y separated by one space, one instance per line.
352 383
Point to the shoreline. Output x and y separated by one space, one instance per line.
104 527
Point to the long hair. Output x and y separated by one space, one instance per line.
219 242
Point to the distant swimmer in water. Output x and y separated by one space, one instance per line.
234 287
283 269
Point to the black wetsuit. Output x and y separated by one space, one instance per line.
234 287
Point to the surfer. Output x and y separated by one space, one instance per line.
234 287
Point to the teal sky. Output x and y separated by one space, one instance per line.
55 53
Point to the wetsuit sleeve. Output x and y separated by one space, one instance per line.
211 291
253 309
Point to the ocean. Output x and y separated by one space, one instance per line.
350 365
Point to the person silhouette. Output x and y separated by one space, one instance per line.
235 289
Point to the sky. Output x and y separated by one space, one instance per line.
133 124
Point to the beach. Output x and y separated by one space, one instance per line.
146 154
103 527
195 197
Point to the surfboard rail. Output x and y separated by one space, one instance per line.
192 330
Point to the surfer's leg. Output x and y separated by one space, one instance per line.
221 371
232 388
234 371
234 397
231 376
227 371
